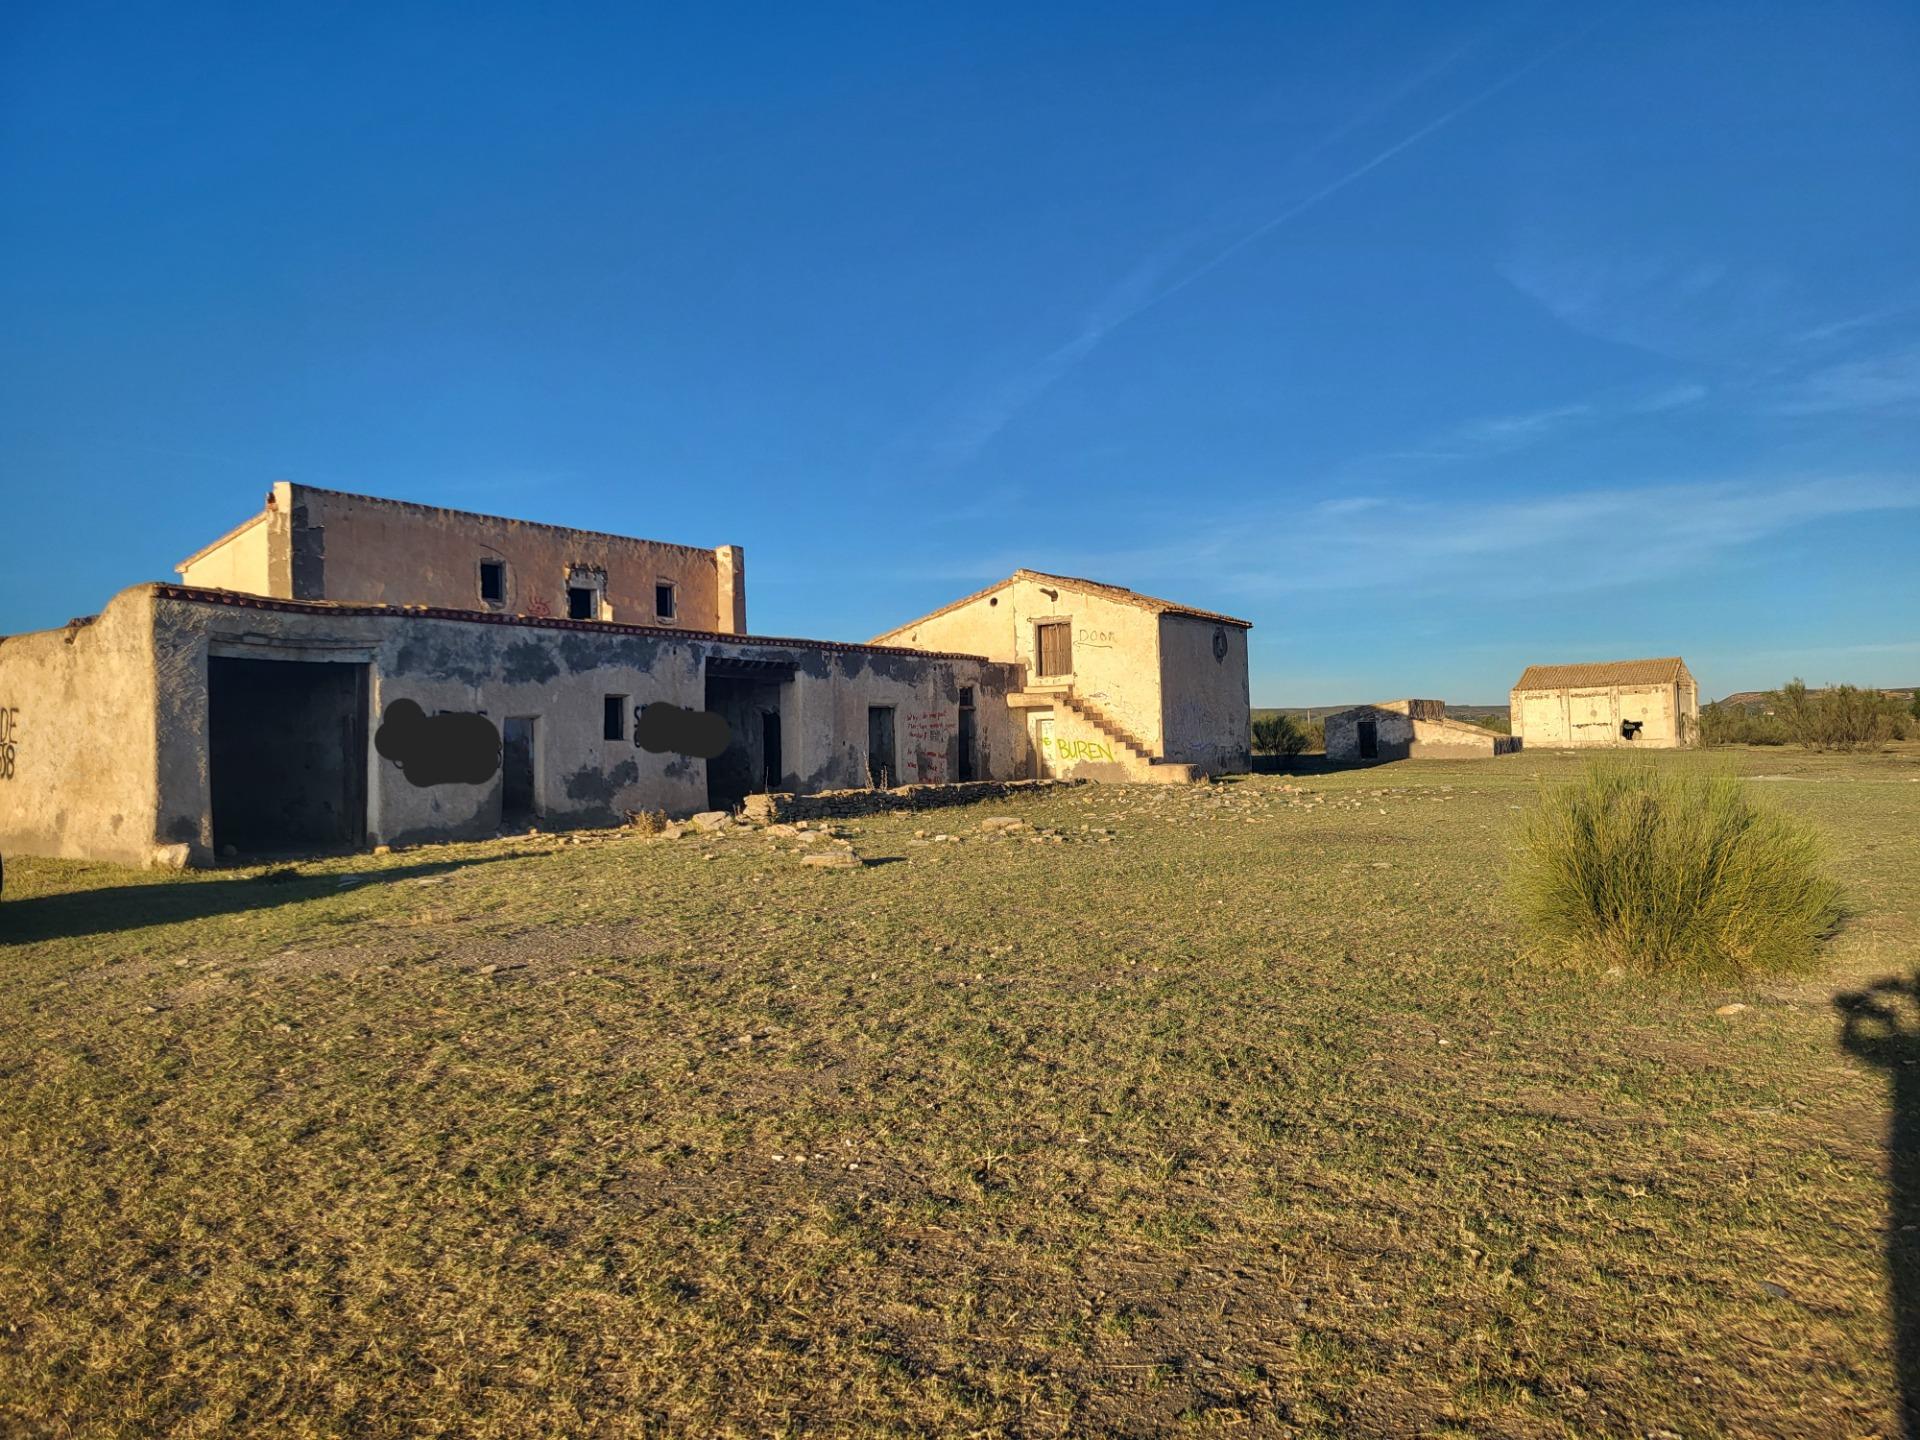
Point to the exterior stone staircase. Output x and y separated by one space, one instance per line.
1140 763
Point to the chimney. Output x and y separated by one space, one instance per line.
731 604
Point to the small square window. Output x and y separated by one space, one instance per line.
613 724
966 697
582 603
493 581
663 601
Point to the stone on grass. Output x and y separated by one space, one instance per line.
832 860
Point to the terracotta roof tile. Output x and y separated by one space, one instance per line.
1664 671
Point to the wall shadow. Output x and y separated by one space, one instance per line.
1881 1025
113 908
1311 765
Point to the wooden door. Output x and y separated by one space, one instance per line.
1043 745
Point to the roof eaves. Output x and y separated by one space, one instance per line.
236 599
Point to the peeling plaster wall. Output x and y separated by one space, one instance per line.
1589 717
561 675
1208 722
1412 729
77 765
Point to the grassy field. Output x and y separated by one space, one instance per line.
1229 1110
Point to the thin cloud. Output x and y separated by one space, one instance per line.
1889 382
1142 290
1585 540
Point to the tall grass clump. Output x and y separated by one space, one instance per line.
1672 870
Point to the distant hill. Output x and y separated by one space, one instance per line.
1761 699
1315 712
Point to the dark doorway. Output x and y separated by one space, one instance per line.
518 737
1369 732
286 754
747 693
882 770
963 762
770 750
1054 643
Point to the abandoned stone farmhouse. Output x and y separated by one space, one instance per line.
1409 729
1645 703
342 671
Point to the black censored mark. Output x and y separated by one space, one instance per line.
661 727
453 749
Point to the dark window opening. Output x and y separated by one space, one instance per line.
581 603
493 580
663 601
1054 643
613 717
1630 729
966 697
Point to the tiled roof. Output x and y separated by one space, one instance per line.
1117 593
1665 671
239 600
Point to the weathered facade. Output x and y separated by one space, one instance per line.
184 724
1117 685
1649 704
351 671
314 544
1409 729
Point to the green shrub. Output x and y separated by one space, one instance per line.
1672 869
1280 734
1499 722
1840 717
1723 724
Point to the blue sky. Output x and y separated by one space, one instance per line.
1435 340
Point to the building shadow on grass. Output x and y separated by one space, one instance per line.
1881 1025
112 908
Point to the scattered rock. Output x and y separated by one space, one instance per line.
1733 1009
711 820
1773 1291
383 849
832 860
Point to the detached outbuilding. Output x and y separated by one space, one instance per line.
1409 729
1653 704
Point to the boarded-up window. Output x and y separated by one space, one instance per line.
1054 642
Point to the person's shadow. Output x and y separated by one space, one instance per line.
1881 1025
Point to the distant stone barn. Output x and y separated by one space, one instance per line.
1619 704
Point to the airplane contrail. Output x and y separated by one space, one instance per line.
1028 386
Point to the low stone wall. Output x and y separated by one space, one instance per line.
838 804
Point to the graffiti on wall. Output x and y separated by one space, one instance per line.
1061 751
9 739
538 608
1093 639
927 732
